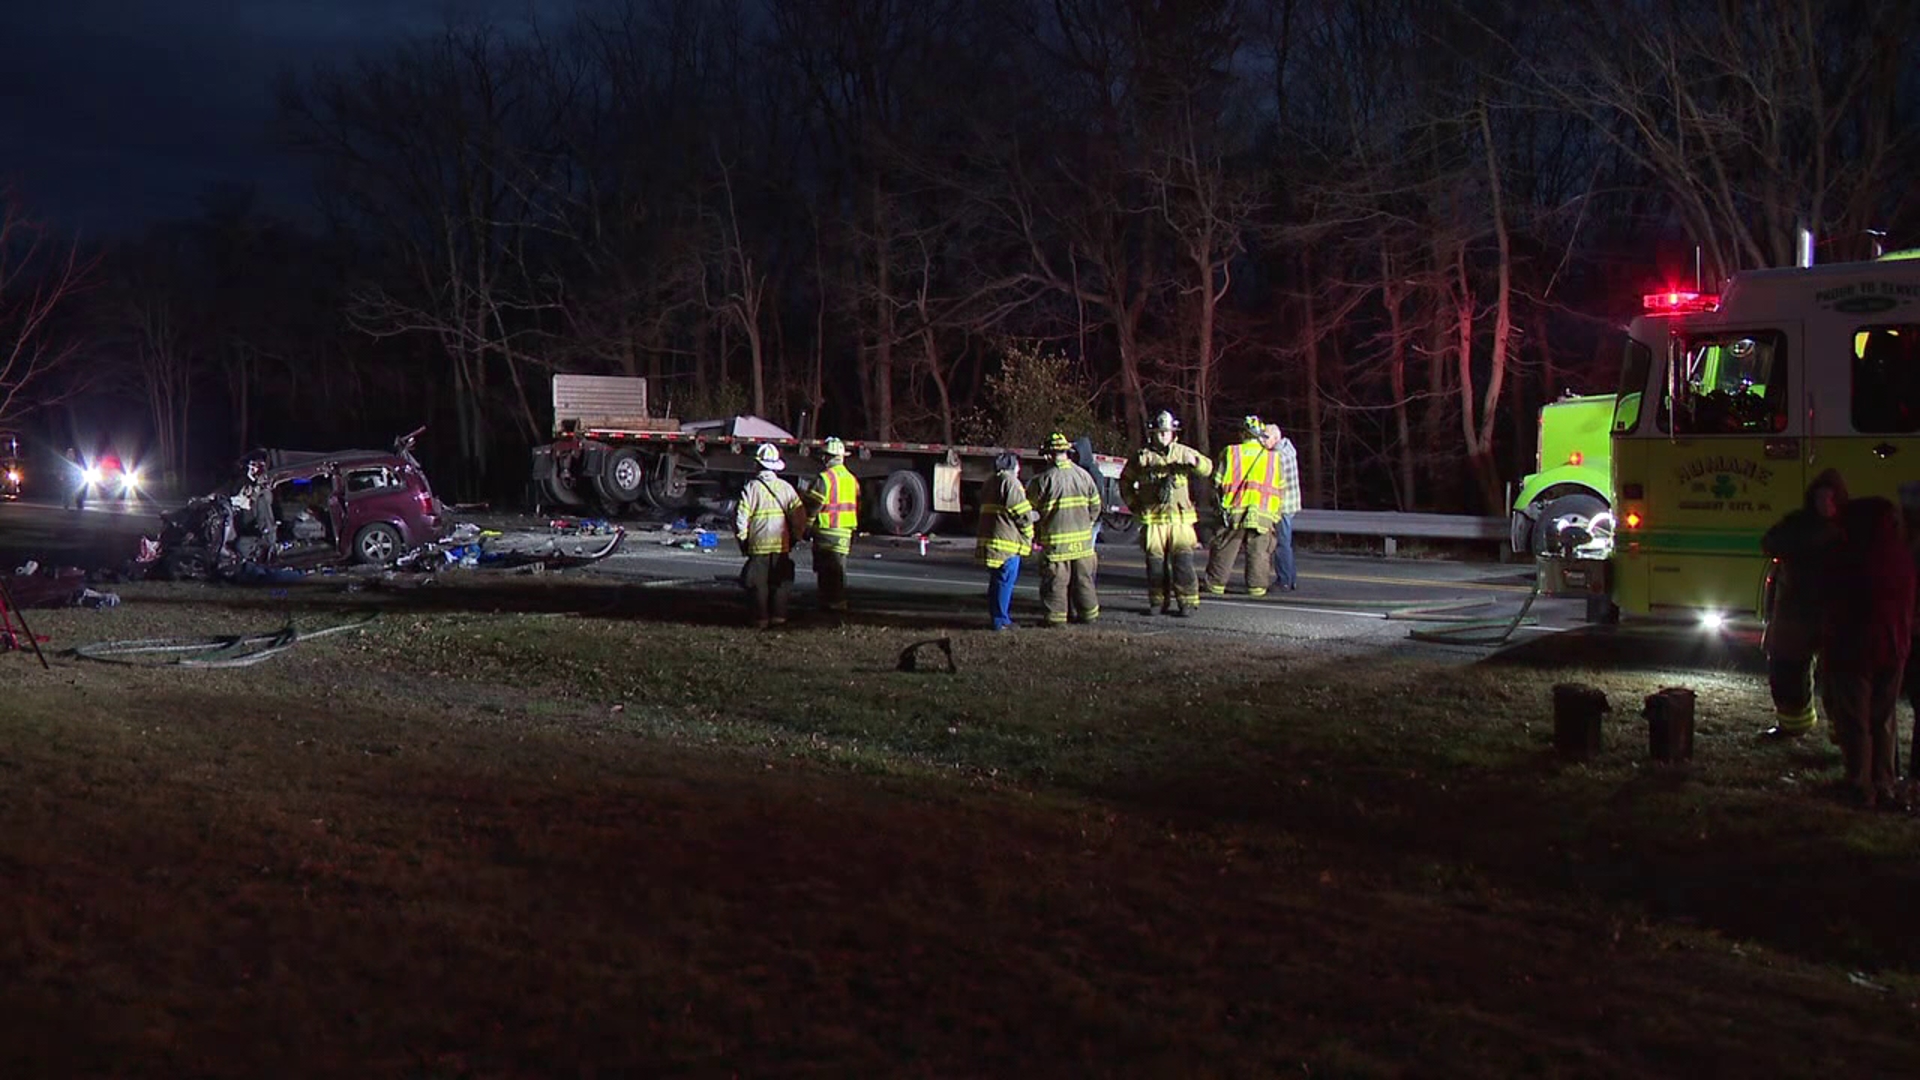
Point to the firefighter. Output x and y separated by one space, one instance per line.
834 502
1066 499
1154 484
769 518
1006 536
1247 479
1801 544
76 481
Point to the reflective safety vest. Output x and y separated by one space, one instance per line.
1154 483
769 516
1006 521
835 501
1251 485
1067 498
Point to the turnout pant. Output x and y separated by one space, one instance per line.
1790 678
1170 574
1862 706
1000 582
768 579
830 577
1912 684
1066 589
1227 547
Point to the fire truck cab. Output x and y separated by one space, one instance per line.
1729 405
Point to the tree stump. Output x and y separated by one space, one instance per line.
1577 711
1669 716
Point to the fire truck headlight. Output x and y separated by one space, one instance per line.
1712 622
91 474
13 476
130 481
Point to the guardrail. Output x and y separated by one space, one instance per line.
1394 524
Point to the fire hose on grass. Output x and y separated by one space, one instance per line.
243 650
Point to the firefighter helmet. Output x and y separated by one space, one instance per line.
1254 425
1165 422
1058 444
769 457
834 447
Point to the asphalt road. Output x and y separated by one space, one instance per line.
1345 604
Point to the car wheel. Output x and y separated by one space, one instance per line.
1117 527
376 545
186 564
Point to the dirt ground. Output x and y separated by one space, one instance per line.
559 827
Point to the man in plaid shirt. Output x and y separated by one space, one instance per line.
1284 576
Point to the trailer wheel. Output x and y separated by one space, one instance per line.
903 506
560 493
667 493
622 477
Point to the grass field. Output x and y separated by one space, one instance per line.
553 827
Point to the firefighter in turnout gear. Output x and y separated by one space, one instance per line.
1067 499
769 518
1155 486
1006 536
834 501
1248 480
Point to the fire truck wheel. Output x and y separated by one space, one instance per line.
1579 503
621 478
903 506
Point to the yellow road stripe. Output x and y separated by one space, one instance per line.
1369 580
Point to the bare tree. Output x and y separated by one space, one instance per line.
38 274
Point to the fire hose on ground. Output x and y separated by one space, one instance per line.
242 650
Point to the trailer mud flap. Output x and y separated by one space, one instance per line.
946 489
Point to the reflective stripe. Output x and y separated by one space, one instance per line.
833 541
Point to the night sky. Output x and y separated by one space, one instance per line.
118 113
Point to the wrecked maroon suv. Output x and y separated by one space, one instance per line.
301 510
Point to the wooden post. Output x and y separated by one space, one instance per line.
1669 716
1577 709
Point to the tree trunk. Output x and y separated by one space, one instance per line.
1315 493
1403 451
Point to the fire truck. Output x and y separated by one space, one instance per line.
609 455
1729 404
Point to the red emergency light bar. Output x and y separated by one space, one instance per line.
1677 303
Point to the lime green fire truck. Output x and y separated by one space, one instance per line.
1570 481
1728 406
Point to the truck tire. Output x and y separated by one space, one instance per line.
1580 502
622 478
560 493
902 506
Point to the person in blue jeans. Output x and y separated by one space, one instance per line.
1284 576
1006 536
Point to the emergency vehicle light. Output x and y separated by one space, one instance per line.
1576 458
1676 303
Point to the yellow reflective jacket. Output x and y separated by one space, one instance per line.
770 516
1250 483
1006 521
1067 498
835 502
1154 484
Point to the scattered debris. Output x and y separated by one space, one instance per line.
910 657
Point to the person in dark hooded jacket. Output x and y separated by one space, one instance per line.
1800 543
1868 633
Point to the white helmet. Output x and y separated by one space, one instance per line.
1165 422
769 457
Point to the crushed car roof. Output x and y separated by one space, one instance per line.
297 459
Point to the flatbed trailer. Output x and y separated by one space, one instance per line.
608 454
